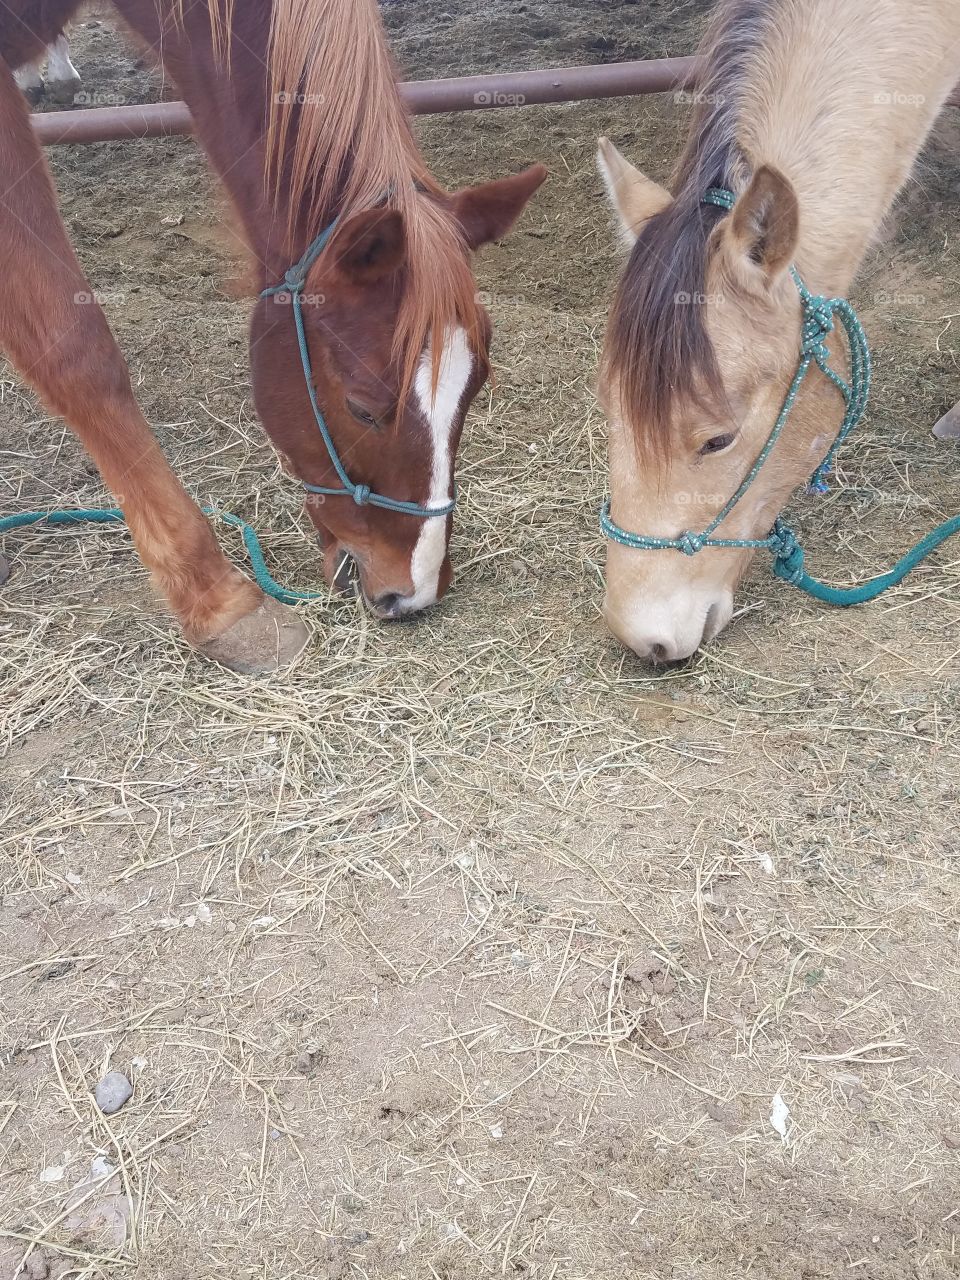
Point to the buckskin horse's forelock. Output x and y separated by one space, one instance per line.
338 133
657 352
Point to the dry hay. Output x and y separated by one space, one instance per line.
468 947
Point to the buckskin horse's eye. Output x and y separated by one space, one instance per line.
361 414
716 444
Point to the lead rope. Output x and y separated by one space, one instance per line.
113 515
819 314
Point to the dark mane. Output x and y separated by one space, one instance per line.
657 348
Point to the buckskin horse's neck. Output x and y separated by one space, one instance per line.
840 95
230 111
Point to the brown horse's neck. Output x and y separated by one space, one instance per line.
229 105
840 96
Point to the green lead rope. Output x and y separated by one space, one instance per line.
819 315
113 515
788 565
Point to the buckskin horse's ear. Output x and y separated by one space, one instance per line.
760 237
370 245
488 211
634 196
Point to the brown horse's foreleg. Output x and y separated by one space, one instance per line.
57 336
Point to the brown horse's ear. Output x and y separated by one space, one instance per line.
487 212
370 245
634 197
760 238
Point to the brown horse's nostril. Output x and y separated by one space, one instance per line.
387 605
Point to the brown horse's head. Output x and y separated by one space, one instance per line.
703 343
398 349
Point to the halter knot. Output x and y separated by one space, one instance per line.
817 325
361 494
690 543
788 554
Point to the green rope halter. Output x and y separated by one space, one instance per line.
819 315
292 284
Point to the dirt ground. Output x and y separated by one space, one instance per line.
471 947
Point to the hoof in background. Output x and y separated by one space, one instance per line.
948 428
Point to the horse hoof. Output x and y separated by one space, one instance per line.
4 570
63 92
948 428
265 640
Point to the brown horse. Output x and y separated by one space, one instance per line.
812 113
296 104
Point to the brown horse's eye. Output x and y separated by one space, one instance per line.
361 414
716 444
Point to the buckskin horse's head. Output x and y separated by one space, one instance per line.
701 348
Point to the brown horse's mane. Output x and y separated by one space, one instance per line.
338 133
658 353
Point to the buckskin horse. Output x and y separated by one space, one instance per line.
367 340
809 119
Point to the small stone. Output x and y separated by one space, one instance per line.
952 1140
112 1092
35 1268
313 1054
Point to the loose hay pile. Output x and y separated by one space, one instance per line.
468 947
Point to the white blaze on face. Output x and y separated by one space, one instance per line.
440 411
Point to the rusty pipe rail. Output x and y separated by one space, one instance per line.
423 97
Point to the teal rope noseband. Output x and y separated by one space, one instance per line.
819 316
293 282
